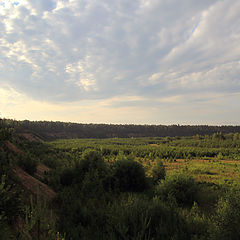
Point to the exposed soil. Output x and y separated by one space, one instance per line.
30 137
42 171
32 185
14 149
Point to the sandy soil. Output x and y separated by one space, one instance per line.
33 185
30 137
14 149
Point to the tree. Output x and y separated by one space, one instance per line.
130 175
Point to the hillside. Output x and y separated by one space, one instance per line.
25 196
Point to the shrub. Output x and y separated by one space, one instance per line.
181 188
67 177
158 171
197 223
227 218
4 162
28 164
91 161
82 214
5 232
141 218
9 201
130 175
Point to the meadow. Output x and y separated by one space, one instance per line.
206 158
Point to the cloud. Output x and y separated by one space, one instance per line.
66 51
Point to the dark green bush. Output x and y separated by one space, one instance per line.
158 171
5 232
132 217
83 213
9 201
180 188
141 218
4 162
91 160
67 177
227 218
28 164
197 223
129 175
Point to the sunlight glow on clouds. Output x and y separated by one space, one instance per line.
158 58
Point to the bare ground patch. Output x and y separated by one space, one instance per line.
32 185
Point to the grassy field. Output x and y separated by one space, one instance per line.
216 171
205 158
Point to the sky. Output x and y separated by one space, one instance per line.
121 61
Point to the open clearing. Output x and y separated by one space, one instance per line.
217 171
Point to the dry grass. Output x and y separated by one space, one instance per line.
216 171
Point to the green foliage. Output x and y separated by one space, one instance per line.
28 163
130 175
5 232
91 160
197 223
4 162
83 211
67 176
129 217
180 188
227 218
6 133
56 130
158 171
141 218
9 201
98 182
182 148
39 221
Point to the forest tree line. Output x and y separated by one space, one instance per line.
50 130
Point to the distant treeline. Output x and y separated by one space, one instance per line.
56 130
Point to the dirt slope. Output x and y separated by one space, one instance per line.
29 183
32 185
31 137
42 171
14 149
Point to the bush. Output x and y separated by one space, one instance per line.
5 232
4 162
9 201
227 218
67 177
142 218
91 161
197 223
82 214
130 175
158 171
181 188
28 164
